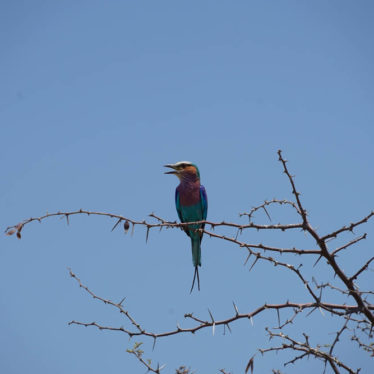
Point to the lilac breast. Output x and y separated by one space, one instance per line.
189 194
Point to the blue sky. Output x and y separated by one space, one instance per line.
96 96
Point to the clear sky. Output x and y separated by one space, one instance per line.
96 96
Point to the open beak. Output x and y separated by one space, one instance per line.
171 166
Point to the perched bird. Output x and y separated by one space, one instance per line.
192 205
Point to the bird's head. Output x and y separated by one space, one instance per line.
184 170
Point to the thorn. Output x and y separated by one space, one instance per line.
146 237
236 309
254 263
246 260
317 260
228 326
267 213
120 303
237 234
250 365
278 318
211 316
213 322
119 220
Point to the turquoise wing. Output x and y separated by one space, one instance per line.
179 211
178 205
204 206
204 202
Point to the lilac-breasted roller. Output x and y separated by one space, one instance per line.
192 205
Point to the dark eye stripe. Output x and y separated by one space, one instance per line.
184 165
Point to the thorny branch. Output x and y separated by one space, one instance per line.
149 225
307 351
357 315
201 324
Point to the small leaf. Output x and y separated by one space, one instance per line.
126 226
18 235
137 345
10 232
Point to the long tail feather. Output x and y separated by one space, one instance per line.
196 251
196 275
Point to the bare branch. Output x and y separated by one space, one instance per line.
353 277
301 210
350 228
308 350
338 309
17 228
354 241
267 203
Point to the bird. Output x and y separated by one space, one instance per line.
191 202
